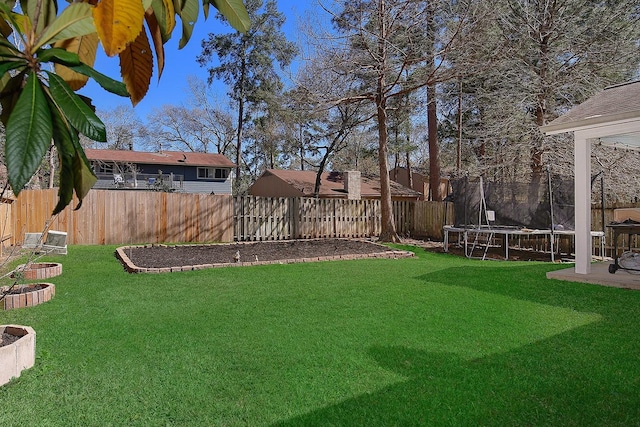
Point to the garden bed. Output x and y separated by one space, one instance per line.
20 296
40 270
170 258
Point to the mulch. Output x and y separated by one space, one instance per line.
160 256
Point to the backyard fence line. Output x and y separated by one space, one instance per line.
278 218
127 217
135 217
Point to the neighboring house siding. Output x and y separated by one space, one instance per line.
188 174
202 186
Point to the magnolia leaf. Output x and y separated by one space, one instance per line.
136 67
64 146
85 47
83 176
22 23
74 21
28 133
165 14
106 82
205 9
118 23
75 110
58 56
9 93
5 29
5 66
156 37
188 16
46 11
235 12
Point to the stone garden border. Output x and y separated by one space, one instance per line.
130 267
39 270
29 298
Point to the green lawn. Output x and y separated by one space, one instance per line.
433 340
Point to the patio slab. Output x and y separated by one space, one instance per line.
599 276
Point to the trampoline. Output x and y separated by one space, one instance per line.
469 237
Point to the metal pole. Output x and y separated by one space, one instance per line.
551 212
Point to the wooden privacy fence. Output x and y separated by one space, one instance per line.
269 218
127 217
133 217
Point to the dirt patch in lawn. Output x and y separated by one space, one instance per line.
163 258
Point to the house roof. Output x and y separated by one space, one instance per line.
162 158
620 103
332 184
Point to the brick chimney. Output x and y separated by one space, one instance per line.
352 184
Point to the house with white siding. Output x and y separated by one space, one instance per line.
185 172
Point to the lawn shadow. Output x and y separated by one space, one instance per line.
584 375
533 385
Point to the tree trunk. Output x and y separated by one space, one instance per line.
434 160
409 172
388 232
239 138
241 82
52 165
432 114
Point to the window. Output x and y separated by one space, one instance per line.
212 173
102 167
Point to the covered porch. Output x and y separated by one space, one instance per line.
612 118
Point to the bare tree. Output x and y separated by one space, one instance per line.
124 129
202 125
383 44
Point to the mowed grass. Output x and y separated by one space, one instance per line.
433 340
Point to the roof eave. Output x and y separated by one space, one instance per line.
589 122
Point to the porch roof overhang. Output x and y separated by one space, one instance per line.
611 117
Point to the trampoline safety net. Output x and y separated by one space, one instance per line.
520 205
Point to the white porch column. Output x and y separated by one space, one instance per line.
582 153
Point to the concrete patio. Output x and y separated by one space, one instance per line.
599 275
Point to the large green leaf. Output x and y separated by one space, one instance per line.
106 82
10 88
28 134
235 12
66 150
83 176
188 16
75 173
74 21
75 110
10 65
59 56
41 11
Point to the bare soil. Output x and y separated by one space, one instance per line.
23 289
159 256
7 339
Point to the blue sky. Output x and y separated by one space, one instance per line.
172 87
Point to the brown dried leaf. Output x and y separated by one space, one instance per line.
156 37
118 23
136 67
85 47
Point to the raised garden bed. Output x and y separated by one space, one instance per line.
26 295
17 351
40 270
